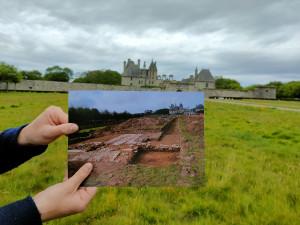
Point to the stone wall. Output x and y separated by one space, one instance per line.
53 86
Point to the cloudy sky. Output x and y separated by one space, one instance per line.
133 101
253 41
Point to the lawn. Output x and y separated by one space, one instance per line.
276 103
252 171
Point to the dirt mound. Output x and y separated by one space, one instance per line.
143 123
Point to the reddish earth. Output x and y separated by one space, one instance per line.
157 159
148 141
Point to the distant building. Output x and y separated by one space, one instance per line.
201 80
135 75
180 110
176 109
138 76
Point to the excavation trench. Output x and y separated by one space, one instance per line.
155 158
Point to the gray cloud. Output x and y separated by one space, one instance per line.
238 39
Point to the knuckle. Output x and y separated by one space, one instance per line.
53 108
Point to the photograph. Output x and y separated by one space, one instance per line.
138 138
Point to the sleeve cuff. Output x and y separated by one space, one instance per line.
9 139
13 154
22 212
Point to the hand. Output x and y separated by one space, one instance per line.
48 126
65 198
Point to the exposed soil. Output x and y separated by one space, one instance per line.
147 141
157 159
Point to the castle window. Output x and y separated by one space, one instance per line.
130 78
206 84
130 84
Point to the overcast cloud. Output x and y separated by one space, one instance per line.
252 41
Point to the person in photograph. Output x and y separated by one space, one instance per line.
17 145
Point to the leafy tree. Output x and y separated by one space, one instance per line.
57 73
100 77
91 117
9 73
225 83
31 75
289 90
164 111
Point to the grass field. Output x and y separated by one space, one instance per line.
252 171
277 103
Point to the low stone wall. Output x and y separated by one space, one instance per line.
53 86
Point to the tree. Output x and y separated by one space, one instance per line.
225 83
289 90
100 77
57 73
31 75
9 73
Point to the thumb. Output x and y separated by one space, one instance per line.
80 175
66 128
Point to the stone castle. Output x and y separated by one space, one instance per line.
135 75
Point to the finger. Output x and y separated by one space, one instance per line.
80 175
63 129
57 115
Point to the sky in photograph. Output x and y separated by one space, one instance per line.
133 101
252 41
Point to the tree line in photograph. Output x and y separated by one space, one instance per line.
9 73
92 117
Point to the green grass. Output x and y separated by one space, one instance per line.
278 103
88 130
252 171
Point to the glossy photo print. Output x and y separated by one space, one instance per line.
138 138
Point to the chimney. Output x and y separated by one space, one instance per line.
124 66
139 62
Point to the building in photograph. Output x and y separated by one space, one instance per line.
175 109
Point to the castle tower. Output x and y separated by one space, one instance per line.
153 71
139 63
124 66
196 71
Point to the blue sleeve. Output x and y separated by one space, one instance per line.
23 212
13 154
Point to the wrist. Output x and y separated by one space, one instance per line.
22 137
41 207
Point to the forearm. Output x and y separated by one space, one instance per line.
12 153
23 212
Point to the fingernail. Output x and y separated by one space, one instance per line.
73 127
89 166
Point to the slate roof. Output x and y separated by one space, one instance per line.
204 75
